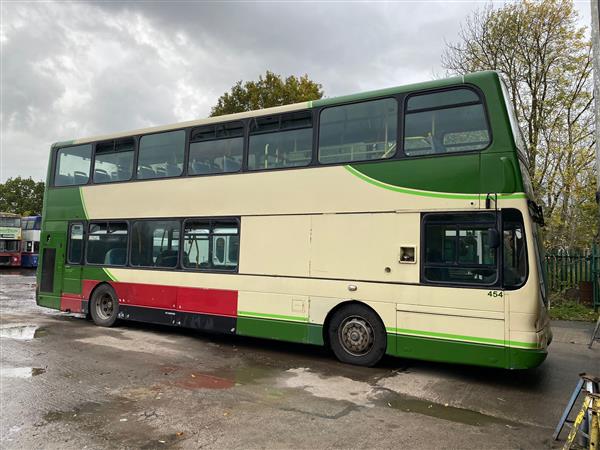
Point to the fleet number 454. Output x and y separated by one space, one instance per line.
494 294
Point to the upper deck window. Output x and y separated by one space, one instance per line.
73 165
114 161
445 122
358 132
161 155
280 141
216 149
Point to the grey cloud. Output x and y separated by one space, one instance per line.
79 69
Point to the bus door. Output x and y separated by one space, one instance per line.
71 290
461 299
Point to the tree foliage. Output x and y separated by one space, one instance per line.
546 61
22 196
270 90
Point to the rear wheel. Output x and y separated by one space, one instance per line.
357 335
104 306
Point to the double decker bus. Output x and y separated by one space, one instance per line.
31 226
399 221
10 239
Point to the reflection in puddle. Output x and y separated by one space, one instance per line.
21 372
21 332
453 414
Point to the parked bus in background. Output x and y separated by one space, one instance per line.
10 240
400 221
30 246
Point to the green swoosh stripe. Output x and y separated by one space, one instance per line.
462 338
272 316
433 194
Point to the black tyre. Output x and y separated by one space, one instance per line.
104 306
357 335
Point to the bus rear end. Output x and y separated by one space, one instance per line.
31 241
10 240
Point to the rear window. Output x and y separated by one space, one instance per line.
73 165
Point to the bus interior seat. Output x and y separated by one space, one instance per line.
167 258
80 177
172 170
101 176
116 256
64 180
201 167
230 165
146 172
161 172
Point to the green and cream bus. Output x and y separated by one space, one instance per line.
399 221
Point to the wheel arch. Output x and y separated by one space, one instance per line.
94 289
340 306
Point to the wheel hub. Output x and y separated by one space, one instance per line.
104 307
356 336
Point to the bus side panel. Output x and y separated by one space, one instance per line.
53 243
441 337
273 316
450 351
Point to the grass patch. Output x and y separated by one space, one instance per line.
561 309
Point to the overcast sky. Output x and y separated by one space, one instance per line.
73 70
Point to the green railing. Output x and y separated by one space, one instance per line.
575 270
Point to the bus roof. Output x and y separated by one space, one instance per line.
472 77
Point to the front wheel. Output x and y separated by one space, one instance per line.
357 335
104 306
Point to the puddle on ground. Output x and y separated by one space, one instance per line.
22 332
451 413
21 372
197 380
365 394
223 378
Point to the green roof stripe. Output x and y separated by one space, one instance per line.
410 191
462 338
272 316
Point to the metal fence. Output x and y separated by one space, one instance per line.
575 270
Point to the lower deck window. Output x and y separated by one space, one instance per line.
107 243
458 250
211 244
155 243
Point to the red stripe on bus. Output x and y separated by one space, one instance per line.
208 301
198 300
70 302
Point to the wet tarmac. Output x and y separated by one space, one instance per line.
66 383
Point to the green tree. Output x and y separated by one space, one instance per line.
270 90
22 196
546 61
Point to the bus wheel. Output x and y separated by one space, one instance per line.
357 335
104 306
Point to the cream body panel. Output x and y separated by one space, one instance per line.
450 325
321 306
362 246
452 297
299 191
275 245
262 304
